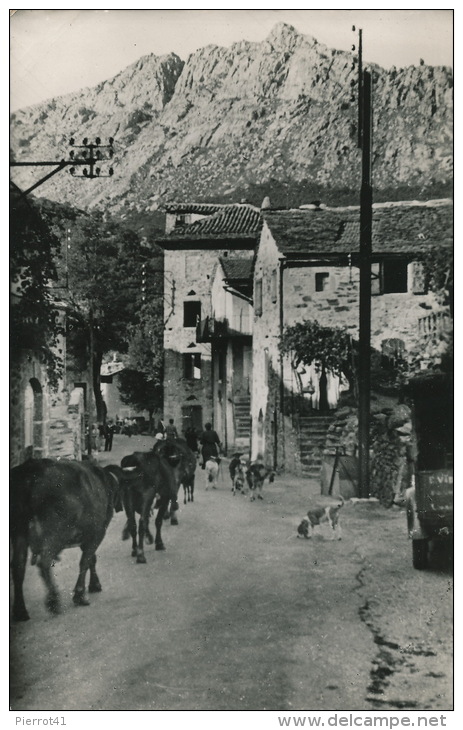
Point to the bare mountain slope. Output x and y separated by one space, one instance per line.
230 119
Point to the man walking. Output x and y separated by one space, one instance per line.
171 430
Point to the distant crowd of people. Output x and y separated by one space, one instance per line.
205 443
100 437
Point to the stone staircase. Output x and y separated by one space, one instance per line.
242 412
312 437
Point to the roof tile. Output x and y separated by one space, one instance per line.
237 268
200 208
233 220
396 229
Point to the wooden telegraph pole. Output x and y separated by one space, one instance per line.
366 217
366 202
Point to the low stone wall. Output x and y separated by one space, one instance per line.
391 447
392 453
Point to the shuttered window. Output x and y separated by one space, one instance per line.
417 277
389 277
273 286
395 277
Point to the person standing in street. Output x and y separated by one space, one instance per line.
109 432
210 444
171 430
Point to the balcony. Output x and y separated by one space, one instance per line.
436 323
212 328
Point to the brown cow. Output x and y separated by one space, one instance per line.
55 505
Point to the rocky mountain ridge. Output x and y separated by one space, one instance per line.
230 121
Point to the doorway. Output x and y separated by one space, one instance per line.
192 417
33 419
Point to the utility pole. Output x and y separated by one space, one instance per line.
90 157
366 217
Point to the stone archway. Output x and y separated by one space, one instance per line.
33 419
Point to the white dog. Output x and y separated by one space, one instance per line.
322 509
212 471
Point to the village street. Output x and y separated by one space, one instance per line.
239 614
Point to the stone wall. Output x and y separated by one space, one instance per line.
189 271
180 391
391 447
57 430
26 370
66 426
266 359
392 315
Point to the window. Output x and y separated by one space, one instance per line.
394 277
321 281
273 286
221 366
258 298
192 366
389 277
191 313
181 220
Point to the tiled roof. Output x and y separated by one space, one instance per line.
305 232
200 208
396 229
239 221
236 269
403 229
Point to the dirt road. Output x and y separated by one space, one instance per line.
238 614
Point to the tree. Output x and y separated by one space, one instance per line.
329 348
34 321
100 274
438 273
141 385
136 390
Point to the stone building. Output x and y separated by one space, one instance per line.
306 268
115 408
194 252
229 332
45 420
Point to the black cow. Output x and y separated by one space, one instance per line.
55 505
158 472
185 470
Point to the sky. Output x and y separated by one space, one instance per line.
54 52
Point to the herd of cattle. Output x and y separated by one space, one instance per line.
60 504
